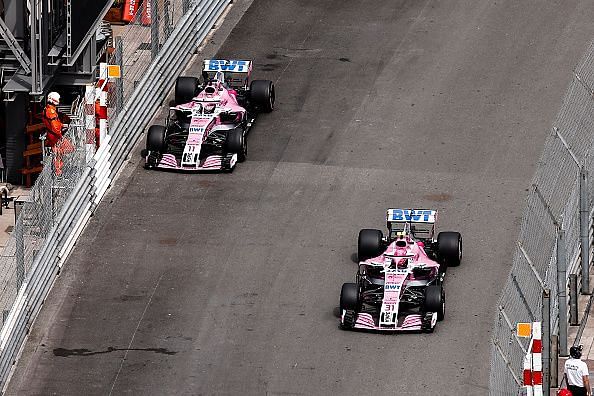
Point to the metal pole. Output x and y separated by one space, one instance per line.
119 58
546 341
584 230
20 253
573 303
34 49
167 28
554 361
154 29
562 291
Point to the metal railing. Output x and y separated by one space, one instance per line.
557 222
61 204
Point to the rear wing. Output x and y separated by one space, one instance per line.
411 216
236 72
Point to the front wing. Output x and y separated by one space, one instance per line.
210 163
365 321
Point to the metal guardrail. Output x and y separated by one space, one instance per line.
38 249
556 224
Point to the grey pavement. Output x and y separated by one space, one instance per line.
7 217
227 283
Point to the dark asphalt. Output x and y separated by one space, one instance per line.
226 284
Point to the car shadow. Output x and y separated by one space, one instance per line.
355 258
336 312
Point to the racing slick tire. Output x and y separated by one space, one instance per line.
370 244
262 95
186 88
435 301
349 297
237 144
155 138
449 248
349 304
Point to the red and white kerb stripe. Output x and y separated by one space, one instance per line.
533 363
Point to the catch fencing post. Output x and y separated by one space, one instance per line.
167 29
546 341
154 29
562 291
20 253
584 230
554 370
573 300
119 60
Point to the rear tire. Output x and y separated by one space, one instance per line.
449 248
237 144
186 88
370 244
155 138
262 95
349 297
435 301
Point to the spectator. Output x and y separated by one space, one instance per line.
576 373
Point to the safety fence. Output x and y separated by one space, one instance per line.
76 177
556 224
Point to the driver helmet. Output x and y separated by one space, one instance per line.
210 90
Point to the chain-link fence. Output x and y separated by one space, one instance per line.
76 173
139 43
136 45
549 244
63 167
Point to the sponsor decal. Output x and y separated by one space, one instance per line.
231 66
392 287
423 215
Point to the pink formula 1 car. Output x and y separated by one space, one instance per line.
399 284
207 128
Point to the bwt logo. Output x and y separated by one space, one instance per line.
411 215
393 287
236 66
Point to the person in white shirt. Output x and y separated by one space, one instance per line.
576 373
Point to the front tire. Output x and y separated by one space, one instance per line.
435 301
369 244
237 144
262 95
449 248
349 297
186 88
155 138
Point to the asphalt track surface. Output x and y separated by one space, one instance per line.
227 283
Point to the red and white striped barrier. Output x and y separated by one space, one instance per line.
533 363
101 95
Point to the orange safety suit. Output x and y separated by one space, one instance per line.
59 145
